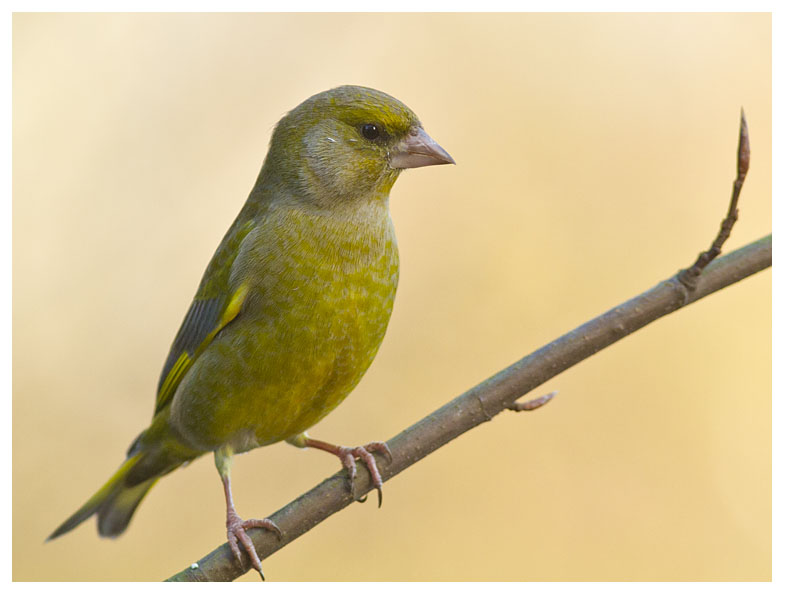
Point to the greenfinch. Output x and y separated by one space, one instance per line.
291 309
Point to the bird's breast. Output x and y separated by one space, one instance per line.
320 297
309 265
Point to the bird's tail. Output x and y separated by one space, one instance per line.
114 503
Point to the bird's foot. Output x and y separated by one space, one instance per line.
236 534
348 457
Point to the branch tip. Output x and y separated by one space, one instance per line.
743 157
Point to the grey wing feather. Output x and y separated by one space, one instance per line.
200 321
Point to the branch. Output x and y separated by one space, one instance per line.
501 391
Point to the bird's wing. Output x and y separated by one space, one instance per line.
215 305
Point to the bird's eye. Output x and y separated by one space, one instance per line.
370 131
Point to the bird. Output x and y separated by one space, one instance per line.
291 309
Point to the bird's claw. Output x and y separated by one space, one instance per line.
236 535
348 458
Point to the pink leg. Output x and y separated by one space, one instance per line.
236 527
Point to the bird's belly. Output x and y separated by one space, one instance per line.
286 362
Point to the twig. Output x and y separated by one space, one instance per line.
500 392
689 276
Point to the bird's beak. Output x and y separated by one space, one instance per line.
418 150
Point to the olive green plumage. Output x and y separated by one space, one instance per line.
294 303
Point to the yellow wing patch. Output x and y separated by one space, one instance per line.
232 309
173 379
185 360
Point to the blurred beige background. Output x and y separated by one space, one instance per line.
595 157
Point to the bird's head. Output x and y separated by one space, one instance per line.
349 142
